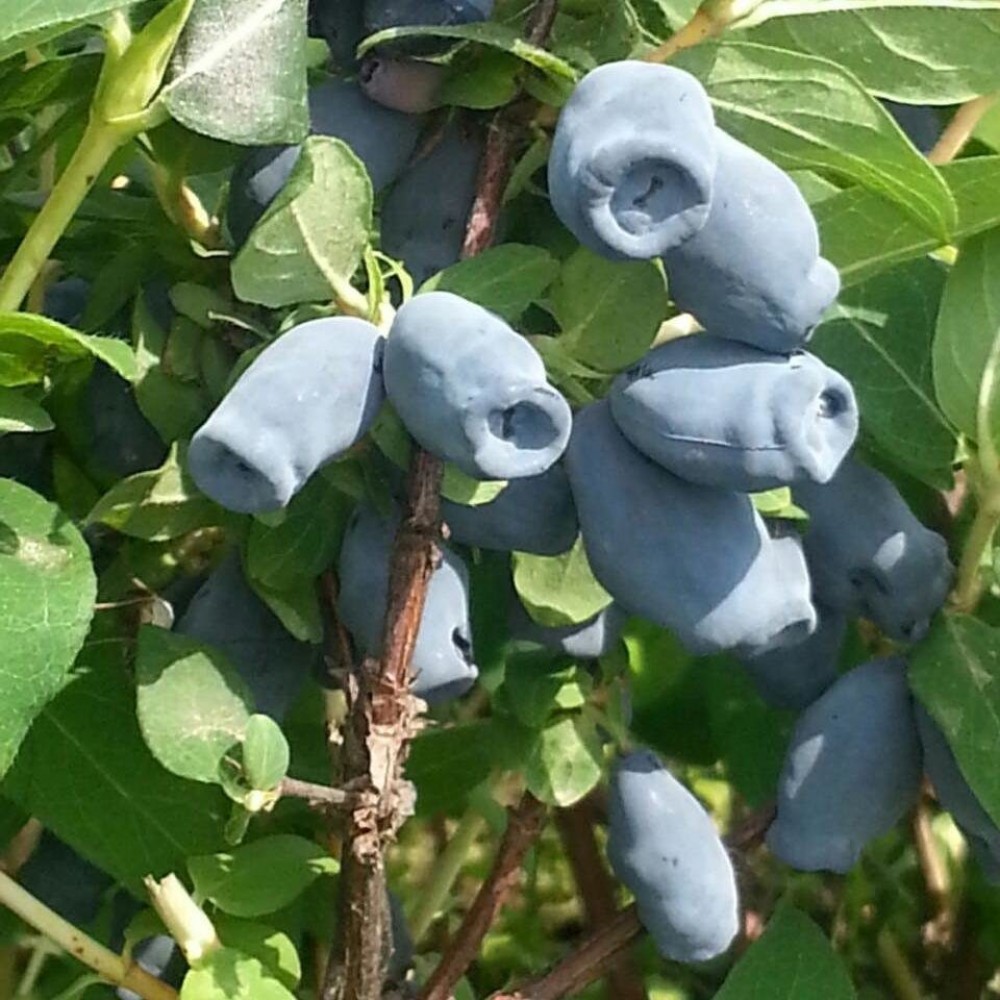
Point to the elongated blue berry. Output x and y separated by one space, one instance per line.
402 84
638 170
123 441
160 957
694 559
724 414
424 216
795 676
472 390
255 183
920 122
869 555
383 139
633 160
534 514
753 272
665 848
852 769
303 401
66 299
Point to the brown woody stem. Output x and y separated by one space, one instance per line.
600 951
382 719
597 891
595 955
382 714
524 824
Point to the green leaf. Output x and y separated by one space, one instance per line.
879 336
47 593
490 79
228 974
274 949
12 819
565 763
807 113
489 33
156 505
955 672
239 71
261 877
532 683
313 235
55 81
505 279
200 304
596 31
306 541
778 503
558 590
609 312
446 764
914 52
18 413
265 753
192 705
751 738
669 692
129 83
863 233
296 605
792 960
182 350
175 408
968 324
30 345
87 774
23 25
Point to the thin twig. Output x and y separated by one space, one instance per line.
960 129
597 890
598 952
20 847
896 966
109 965
318 796
501 143
506 133
750 832
592 958
702 27
540 21
932 865
524 823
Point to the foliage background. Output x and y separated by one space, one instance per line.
96 741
